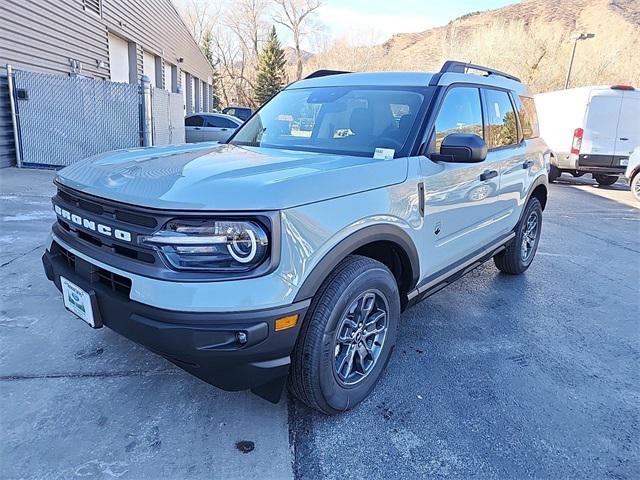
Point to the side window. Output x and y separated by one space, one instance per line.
193 121
211 121
528 117
502 124
460 113
226 123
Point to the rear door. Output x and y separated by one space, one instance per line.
600 130
217 128
628 131
193 128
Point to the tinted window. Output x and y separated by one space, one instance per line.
346 120
528 117
212 121
193 121
220 122
460 113
502 126
227 123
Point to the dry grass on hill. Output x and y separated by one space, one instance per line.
531 39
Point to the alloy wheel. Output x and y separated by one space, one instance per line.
529 237
360 337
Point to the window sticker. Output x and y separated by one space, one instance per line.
384 153
496 107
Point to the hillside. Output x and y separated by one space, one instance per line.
531 39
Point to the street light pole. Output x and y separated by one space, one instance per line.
582 36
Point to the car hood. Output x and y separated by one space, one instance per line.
212 176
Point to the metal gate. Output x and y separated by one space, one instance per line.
65 119
167 117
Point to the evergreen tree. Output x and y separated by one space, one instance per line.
207 48
271 64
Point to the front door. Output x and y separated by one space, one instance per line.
460 199
216 129
508 150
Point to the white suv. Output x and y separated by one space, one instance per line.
290 251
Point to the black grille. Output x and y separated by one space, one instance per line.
111 215
116 282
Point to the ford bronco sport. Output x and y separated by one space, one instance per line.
288 253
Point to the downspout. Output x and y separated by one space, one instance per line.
14 118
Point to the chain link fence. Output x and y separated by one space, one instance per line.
167 117
62 120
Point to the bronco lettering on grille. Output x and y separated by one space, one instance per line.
105 230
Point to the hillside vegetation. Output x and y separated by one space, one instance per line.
531 39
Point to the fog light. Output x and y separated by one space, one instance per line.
289 321
242 337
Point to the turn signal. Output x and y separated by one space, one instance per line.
289 321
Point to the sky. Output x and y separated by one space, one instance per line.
375 21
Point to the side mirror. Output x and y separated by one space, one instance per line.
461 148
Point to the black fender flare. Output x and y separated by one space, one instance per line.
540 180
360 238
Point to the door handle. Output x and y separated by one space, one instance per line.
224 129
624 139
528 164
196 128
488 174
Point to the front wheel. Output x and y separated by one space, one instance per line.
605 180
519 253
635 186
347 336
554 173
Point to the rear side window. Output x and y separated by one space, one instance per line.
528 117
460 113
219 122
193 121
502 128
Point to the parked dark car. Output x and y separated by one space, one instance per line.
243 113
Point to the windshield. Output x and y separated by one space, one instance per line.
342 120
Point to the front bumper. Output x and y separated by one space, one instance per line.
207 345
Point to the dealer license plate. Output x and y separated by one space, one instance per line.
77 301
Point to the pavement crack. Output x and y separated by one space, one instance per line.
21 255
130 373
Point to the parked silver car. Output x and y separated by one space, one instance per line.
207 127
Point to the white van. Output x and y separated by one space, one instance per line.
590 130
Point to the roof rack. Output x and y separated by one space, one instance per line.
324 73
453 66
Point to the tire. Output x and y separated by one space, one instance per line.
605 180
635 186
512 260
554 173
314 378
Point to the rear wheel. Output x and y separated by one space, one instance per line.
635 186
347 336
605 180
554 173
519 254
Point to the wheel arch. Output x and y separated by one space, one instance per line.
386 243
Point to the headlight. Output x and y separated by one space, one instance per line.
215 246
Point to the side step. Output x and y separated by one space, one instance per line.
444 278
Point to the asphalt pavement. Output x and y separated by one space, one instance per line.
504 377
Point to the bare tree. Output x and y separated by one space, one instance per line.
295 15
199 17
246 19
